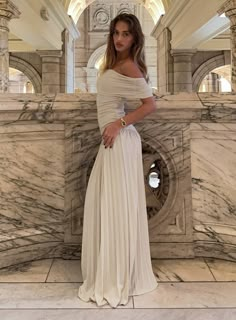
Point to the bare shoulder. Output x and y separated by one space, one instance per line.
130 69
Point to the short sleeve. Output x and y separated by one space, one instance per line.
112 83
135 88
143 90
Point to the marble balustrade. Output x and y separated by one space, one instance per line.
48 144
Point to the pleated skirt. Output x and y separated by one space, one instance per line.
115 259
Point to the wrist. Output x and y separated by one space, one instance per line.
123 123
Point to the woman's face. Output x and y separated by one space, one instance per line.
122 38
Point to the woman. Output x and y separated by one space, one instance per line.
116 259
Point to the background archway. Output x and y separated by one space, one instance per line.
205 68
28 70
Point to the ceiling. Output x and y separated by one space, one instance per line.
155 7
191 26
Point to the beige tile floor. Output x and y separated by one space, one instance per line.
188 289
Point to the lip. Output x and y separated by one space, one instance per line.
118 45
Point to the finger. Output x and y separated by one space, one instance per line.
112 143
106 136
108 142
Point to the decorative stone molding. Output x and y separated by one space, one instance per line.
125 8
49 53
8 11
44 14
229 8
157 162
100 16
75 9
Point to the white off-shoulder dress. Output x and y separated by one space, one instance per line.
115 258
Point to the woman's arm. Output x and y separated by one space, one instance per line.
148 106
130 69
111 131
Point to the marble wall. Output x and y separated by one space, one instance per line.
48 145
213 163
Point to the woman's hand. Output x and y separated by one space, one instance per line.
110 133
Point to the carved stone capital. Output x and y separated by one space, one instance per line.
49 53
8 11
183 52
229 8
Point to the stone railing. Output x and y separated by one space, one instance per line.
47 148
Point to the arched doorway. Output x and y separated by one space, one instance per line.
218 80
19 82
28 70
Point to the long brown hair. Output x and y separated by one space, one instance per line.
137 49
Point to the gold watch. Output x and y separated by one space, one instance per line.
123 122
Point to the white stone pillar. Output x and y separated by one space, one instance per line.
183 70
91 79
164 58
213 82
8 11
210 83
68 63
50 70
229 8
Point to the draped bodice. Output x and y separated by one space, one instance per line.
113 89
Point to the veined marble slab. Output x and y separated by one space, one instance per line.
189 295
181 270
45 296
218 97
35 271
213 163
48 144
31 188
222 270
121 314
65 271
63 101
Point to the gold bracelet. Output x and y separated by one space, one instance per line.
123 122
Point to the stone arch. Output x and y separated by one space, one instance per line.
28 70
95 56
91 71
206 68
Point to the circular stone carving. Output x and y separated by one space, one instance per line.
124 10
157 180
101 17
157 167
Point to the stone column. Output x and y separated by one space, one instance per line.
67 63
213 82
229 8
183 70
164 58
210 83
50 70
91 79
8 11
